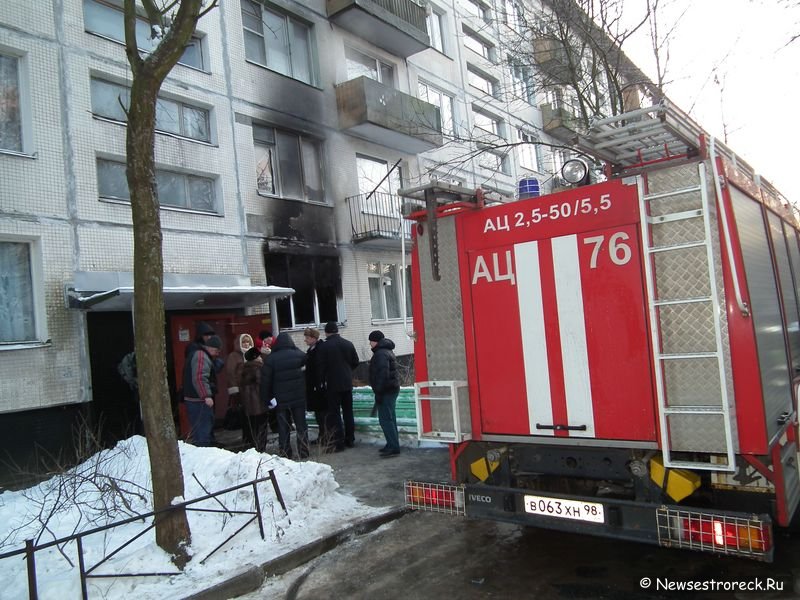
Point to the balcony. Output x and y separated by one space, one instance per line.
550 55
377 113
376 220
397 26
560 123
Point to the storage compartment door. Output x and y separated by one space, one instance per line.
561 337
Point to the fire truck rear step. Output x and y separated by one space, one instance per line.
685 328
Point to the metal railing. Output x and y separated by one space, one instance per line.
377 216
410 11
87 571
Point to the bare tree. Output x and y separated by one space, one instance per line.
172 24
571 52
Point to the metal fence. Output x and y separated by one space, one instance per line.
88 571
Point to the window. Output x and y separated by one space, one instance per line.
481 82
435 29
18 308
493 161
487 122
522 82
386 291
362 65
479 10
514 15
22 310
277 41
478 45
317 284
526 151
176 190
10 104
110 100
441 100
372 177
107 20
287 164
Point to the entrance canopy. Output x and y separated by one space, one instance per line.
113 291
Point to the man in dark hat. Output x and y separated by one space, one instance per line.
199 389
336 359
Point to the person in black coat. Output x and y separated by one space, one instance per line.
385 385
283 378
315 391
336 359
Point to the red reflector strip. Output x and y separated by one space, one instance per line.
435 497
742 535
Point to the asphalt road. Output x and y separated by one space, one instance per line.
425 555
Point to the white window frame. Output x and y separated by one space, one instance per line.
290 49
499 161
435 22
279 185
182 106
478 117
443 101
186 179
39 308
388 186
381 67
119 34
478 10
378 278
488 84
23 99
513 15
478 45
527 151
522 82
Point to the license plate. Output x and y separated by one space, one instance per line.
564 509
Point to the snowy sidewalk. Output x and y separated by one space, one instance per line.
329 499
361 473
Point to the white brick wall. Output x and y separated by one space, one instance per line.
52 195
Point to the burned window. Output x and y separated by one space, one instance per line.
287 164
317 284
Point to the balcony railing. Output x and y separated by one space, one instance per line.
377 217
398 26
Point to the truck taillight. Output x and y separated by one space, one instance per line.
721 533
435 497
741 535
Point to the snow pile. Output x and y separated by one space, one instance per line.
114 485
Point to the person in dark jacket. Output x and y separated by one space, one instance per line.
385 385
315 391
254 429
283 378
199 389
204 333
336 360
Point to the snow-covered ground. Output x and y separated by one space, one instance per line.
44 512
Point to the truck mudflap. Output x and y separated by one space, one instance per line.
672 526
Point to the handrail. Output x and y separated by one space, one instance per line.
745 310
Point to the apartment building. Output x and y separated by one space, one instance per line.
283 136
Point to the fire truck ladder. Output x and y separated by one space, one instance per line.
642 137
685 312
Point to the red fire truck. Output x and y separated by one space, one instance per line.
617 359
